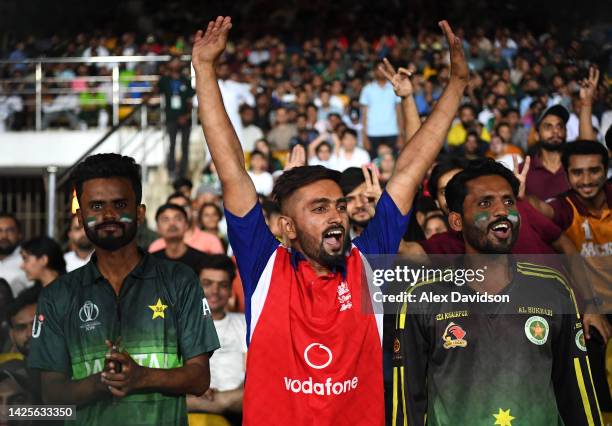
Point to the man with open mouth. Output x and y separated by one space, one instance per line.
469 361
315 353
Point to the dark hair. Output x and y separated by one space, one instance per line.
351 178
509 111
270 207
170 206
177 194
217 261
425 205
294 179
321 145
45 246
182 182
7 215
349 131
107 166
216 207
469 106
501 124
257 152
27 297
443 167
581 147
456 189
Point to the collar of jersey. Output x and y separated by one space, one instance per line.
297 257
141 270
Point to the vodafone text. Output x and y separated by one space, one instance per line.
326 388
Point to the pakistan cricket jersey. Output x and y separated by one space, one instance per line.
521 362
160 317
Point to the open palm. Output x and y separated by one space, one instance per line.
209 45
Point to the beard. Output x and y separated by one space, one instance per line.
552 146
480 240
315 250
359 223
112 243
6 247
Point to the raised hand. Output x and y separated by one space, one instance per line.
521 176
209 45
588 86
459 67
373 190
297 158
400 80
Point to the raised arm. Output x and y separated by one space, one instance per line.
239 194
587 93
420 152
402 86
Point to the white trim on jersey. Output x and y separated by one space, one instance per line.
258 299
377 307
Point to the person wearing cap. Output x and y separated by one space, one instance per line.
546 177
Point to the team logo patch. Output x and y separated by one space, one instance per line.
36 325
396 346
536 330
454 336
88 314
580 342
158 309
344 296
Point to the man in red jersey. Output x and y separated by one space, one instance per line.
315 356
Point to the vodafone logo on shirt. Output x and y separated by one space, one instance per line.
318 356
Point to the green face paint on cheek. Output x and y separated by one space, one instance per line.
90 222
126 218
481 219
513 216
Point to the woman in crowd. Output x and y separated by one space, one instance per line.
43 260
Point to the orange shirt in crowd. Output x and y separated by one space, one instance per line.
198 240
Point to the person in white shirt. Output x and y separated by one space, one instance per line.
262 179
234 94
9 105
250 132
228 365
65 105
347 153
82 248
320 151
10 254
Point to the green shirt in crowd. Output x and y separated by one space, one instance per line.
161 316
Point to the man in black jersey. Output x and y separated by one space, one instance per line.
518 361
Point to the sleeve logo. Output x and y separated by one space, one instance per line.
580 342
37 325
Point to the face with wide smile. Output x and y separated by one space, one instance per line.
586 175
490 220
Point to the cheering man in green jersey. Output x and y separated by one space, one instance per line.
521 361
149 312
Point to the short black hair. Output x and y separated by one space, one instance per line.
170 206
182 181
443 167
470 107
456 189
27 297
349 131
270 207
178 194
351 178
103 166
45 246
292 180
7 215
257 152
217 261
581 147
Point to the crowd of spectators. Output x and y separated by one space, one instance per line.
320 102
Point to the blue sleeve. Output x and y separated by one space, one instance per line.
252 243
385 230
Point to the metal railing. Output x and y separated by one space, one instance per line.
35 84
54 181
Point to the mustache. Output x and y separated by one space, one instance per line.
110 222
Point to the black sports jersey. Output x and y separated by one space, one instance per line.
521 362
